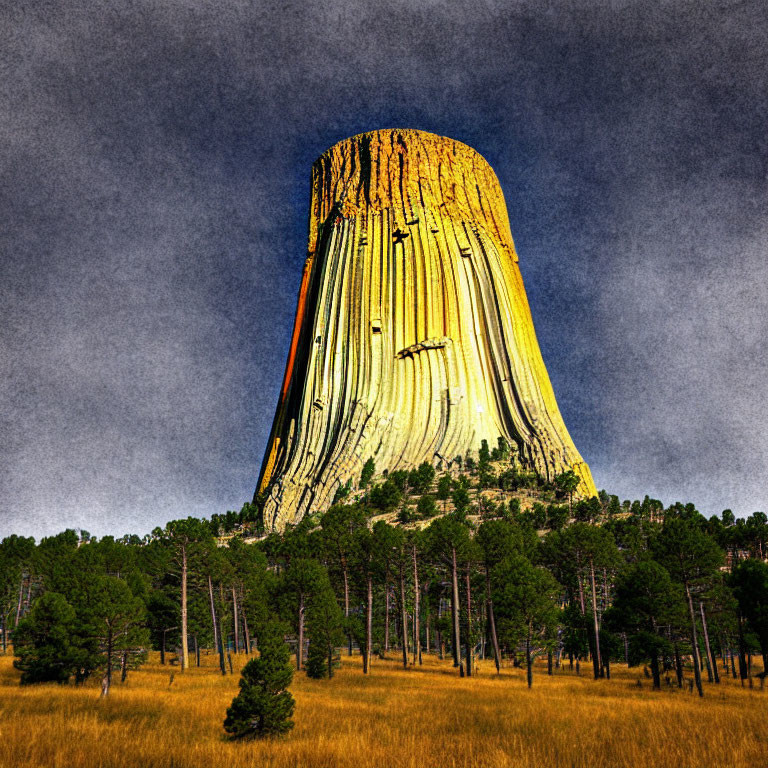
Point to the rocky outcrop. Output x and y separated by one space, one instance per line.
413 338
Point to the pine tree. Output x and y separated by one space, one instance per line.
750 585
114 618
646 601
45 642
526 598
447 541
264 705
691 558
325 622
369 469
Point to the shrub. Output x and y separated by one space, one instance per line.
427 507
264 705
385 496
421 479
367 474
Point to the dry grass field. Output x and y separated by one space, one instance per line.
395 718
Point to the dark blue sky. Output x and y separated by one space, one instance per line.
155 161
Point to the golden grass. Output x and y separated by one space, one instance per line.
394 718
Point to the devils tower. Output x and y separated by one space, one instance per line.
413 338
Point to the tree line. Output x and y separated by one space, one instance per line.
593 582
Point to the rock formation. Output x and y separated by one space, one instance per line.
413 338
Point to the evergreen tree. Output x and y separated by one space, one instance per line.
576 555
45 642
114 619
444 487
498 540
460 495
304 579
264 705
339 525
162 621
184 538
385 497
427 507
566 483
750 587
525 598
16 554
692 558
363 565
647 600
325 622
369 468
420 479
447 541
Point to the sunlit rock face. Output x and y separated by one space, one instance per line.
413 338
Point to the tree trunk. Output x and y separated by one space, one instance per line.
528 661
213 614
706 663
468 638
455 610
492 622
416 617
368 627
386 618
235 621
346 603
581 593
742 651
18 605
723 652
184 642
678 667
300 645
694 642
403 618
655 671
596 662
222 662
438 631
5 636
124 666
107 679
28 596
246 631
710 655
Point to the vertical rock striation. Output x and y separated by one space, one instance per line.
413 338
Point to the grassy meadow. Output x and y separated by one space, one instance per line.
422 716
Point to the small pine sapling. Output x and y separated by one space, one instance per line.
264 705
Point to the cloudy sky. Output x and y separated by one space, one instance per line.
155 159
